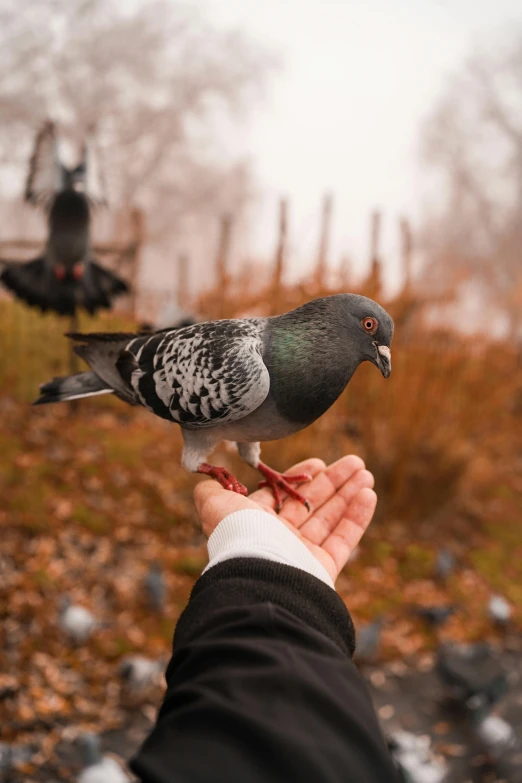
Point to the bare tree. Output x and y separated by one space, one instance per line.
473 144
155 80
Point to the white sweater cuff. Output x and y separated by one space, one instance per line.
252 533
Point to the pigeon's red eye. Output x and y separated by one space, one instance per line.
370 324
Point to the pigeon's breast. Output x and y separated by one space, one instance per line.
264 424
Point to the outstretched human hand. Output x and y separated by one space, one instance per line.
342 504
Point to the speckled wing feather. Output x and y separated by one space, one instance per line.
200 375
46 174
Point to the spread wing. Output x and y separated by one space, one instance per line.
91 172
199 375
47 175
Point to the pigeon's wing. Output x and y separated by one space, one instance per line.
47 175
200 375
90 170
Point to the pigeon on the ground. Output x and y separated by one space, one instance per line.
499 610
472 676
76 621
414 759
66 276
367 641
10 755
503 748
141 672
155 586
98 768
435 615
444 565
246 380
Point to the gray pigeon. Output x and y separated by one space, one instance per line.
98 768
141 672
76 621
10 755
499 610
246 380
435 615
472 676
414 759
444 564
66 276
367 641
155 586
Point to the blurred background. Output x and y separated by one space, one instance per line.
256 158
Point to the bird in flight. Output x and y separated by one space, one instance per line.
66 276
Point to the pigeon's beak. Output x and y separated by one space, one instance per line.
384 360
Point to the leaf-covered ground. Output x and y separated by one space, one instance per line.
89 498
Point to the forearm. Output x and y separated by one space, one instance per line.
261 686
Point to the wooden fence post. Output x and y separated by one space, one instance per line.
137 223
280 255
222 260
406 252
324 237
182 288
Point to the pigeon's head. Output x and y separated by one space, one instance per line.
89 747
371 329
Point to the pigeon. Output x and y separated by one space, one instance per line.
155 586
11 755
499 610
414 759
503 747
246 380
367 640
444 564
141 672
435 615
472 675
66 276
98 768
76 621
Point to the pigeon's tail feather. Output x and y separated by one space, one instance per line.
102 353
72 387
99 288
34 283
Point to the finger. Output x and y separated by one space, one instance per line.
213 503
265 496
321 489
345 537
328 516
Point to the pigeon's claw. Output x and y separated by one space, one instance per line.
225 478
279 482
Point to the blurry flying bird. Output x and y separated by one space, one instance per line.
66 276
155 586
246 380
98 768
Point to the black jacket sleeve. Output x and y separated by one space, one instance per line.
261 687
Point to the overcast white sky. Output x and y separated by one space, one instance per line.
345 110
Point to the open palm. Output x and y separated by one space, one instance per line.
342 503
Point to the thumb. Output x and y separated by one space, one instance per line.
213 503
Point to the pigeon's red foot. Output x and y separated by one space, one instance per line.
77 271
59 272
279 481
226 479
